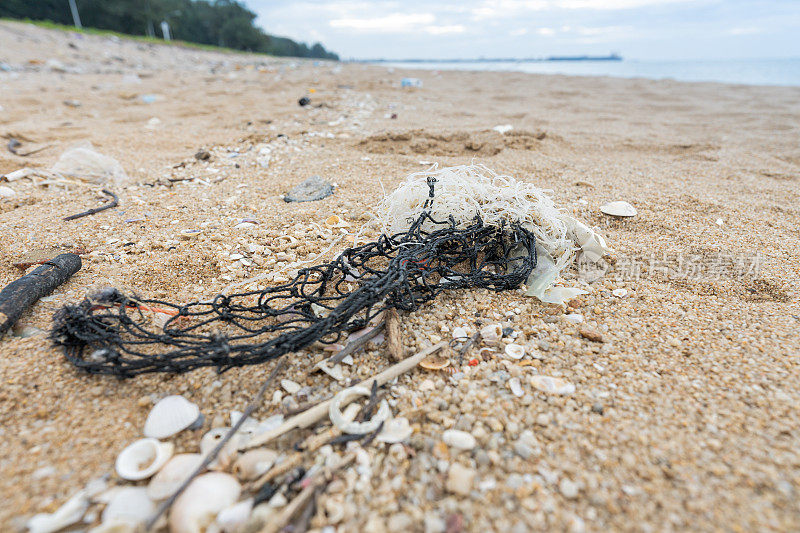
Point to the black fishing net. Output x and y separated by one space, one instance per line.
112 333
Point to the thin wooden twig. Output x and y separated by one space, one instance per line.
321 409
252 406
113 203
393 339
354 345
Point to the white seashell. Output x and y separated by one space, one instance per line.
292 387
618 209
503 128
174 473
348 360
575 318
335 371
343 398
552 385
69 513
334 221
117 526
197 507
515 351
620 293
350 412
516 387
719 222
458 439
589 240
7 192
492 332
232 518
130 504
460 333
254 463
143 458
169 416
395 430
228 452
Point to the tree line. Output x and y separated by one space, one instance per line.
226 23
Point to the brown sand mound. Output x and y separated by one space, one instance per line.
485 143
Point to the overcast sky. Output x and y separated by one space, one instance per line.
637 29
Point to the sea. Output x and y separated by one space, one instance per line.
741 71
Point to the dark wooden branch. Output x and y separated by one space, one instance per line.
113 203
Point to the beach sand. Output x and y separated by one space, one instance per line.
684 418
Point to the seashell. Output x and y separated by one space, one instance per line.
292 387
169 416
515 351
172 475
460 333
433 362
460 440
254 463
620 293
334 510
552 385
618 209
129 504
350 412
342 398
334 221
575 318
228 452
189 233
516 387
7 192
232 518
117 526
334 371
66 515
197 507
143 458
395 430
492 332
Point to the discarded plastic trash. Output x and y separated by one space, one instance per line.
83 162
314 188
304 101
411 82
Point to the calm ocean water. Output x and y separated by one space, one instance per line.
747 71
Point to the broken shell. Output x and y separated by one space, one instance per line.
232 518
515 351
395 430
552 385
197 507
143 458
169 416
334 371
344 397
7 192
619 209
129 504
458 439
334 221
228 452
492 332
620 293
69 513
254 463
460 333
292 387
433 362
516 387
174 473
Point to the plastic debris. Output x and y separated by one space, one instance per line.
312 189
84 162
410 82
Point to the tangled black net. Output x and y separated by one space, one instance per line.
111 333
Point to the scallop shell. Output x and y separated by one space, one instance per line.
169 416
433 362
618 209
174 473
143 458
197 507
254 463
395 430
492 332
515 351
552 385
129 504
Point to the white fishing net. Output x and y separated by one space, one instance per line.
467 191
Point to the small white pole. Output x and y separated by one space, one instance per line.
76 18
165 30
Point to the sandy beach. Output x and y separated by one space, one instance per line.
684 417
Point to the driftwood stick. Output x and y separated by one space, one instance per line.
321 409
352 346
252 406
24 292
393 340
113 203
